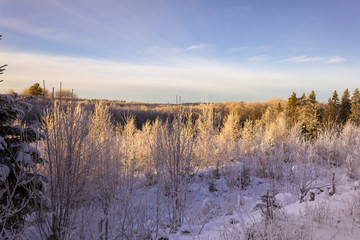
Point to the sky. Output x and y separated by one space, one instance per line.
153 51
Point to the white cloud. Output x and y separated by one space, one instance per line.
199 46
189 77
304 58
336 59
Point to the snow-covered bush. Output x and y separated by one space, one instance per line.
283 227
236 174
327 148
71 160
319 212
176 143
350 140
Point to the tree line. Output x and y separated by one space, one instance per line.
312 115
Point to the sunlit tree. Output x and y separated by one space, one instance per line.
355 107
345 107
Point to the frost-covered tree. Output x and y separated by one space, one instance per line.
176 145
206 133
21 186
70 154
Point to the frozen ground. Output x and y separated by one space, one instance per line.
226 211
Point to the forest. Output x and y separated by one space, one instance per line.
99 169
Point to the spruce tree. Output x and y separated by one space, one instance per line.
332 109
21 186
312 97
292 108
308 116
355 107
345 107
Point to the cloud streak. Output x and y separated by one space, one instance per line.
194 47
336 59
305 59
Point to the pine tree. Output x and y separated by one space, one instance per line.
292 108
308 116
312 97
21 187
35 90
345 107
332 109
355 107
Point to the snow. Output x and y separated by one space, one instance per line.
24 155
3 144
328 217
4 172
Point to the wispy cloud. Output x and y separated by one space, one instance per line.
336 59
199 46
189 77
303 58
258 58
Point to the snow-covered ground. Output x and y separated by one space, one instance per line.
227 212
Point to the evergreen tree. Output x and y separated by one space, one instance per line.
312 97
355 107
292 108
21 187
332 109
345 107
36 90
308 116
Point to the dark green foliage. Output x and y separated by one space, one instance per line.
355 107
21 187
305 112
36 90
292 107
331 115
345 107
312 97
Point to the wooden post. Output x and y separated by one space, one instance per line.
333 184
43 88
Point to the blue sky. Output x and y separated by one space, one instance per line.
141 50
